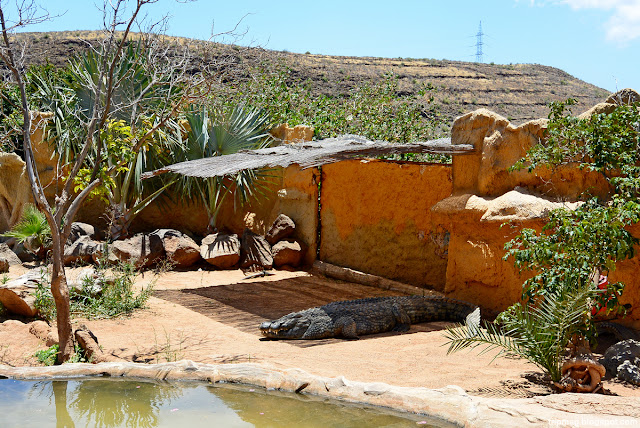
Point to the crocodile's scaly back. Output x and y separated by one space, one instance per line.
352 318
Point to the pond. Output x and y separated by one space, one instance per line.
113 402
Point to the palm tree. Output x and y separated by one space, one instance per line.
539 333
241 128
33 231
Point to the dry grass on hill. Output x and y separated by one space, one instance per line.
519 92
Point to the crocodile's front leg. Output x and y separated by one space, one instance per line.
403 321
346 327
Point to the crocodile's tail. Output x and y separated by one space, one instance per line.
619 331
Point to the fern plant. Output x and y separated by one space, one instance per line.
538 332
32 230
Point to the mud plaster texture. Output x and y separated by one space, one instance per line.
376 217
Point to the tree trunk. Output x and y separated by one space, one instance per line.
60 293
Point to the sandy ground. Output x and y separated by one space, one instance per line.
213 317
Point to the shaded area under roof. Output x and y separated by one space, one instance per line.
307 155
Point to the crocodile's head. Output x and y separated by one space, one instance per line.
309 324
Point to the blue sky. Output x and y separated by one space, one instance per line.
595 40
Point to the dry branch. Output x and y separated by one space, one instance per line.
307 155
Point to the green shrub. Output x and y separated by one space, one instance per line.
116 298
374 110
49 356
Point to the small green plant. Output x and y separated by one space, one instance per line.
32 230
48 356
167 349
117 296
44 302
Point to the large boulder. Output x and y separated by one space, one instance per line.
79 229
17 295
617 354
8 256
288 252
143 250
221 250
81 250
255 252
283 227
178 247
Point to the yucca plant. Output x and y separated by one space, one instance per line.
214 135
32 230
539 333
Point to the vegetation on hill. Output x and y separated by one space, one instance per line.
519 92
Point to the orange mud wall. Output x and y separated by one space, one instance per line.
489 205
376 217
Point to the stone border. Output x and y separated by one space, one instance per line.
451 404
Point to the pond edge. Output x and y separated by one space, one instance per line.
451 403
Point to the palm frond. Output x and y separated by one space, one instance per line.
538 333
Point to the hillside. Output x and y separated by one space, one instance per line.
519 92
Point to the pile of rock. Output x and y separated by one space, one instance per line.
251 251
254 252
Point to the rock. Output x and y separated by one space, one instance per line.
19 300
288 252
498 145
22 253
221 250
15 190
81 250
79 229
89 343
44 332
286 135
9 256
628 372
178 247
142 250
39 329
103 254
283 227
255 251
87 281
616 355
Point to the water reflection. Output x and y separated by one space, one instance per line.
114 403
63 418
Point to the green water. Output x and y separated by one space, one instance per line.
126 403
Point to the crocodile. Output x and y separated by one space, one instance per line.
352 318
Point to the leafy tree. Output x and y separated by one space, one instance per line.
576 246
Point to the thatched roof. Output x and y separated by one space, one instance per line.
307 155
